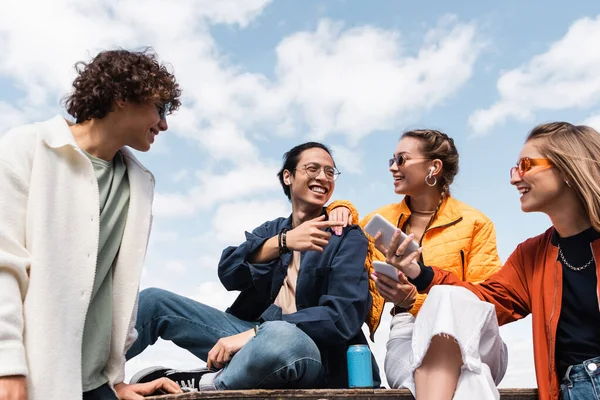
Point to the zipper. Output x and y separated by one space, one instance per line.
399 220
462 261
596 265
436 227
550 336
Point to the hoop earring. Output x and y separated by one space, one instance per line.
428 177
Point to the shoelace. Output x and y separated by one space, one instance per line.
188 384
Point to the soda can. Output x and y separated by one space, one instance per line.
360 370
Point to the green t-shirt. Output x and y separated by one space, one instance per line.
113 186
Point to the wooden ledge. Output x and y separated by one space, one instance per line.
327 394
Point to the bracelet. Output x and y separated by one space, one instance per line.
281 241
255 330
284 240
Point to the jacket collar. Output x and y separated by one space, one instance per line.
288 222
448 213
56 134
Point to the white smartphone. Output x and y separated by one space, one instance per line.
380 224
386 269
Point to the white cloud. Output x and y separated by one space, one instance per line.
563 77
11 117
214 294
232 219
362 80
159 236
347 159
333 80
248 179
231 11
593 121
176 267
65 31
172 205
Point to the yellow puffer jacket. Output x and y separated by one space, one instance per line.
460 239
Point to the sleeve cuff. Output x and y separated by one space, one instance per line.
13 359
253 242
273 313
424 279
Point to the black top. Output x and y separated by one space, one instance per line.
578 332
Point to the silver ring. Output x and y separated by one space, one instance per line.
398 255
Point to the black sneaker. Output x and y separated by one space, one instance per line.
190 379
149 374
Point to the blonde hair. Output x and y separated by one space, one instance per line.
438 145
575 152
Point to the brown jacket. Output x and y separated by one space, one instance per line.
529 282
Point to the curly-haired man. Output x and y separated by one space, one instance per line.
75 217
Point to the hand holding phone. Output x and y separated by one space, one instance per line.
380 224
386 269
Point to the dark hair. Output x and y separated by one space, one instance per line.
290 161
438 145
120 75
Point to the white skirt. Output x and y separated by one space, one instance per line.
456 312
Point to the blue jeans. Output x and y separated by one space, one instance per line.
582 381
280 356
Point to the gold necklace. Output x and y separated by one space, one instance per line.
422 212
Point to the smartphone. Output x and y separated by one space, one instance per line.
380 224
386 269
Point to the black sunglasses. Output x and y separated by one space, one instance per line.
400 160
163 109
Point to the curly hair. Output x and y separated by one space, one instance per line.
120 75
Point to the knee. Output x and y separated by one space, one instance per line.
152 302
398 367
286 343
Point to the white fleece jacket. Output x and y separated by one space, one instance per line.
49 230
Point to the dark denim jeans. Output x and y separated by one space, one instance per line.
280 356
582 381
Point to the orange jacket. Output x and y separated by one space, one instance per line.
461 239
529 282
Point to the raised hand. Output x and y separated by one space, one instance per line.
340 214
225 348
401 293
396 255
311 235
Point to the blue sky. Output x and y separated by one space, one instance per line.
260 76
